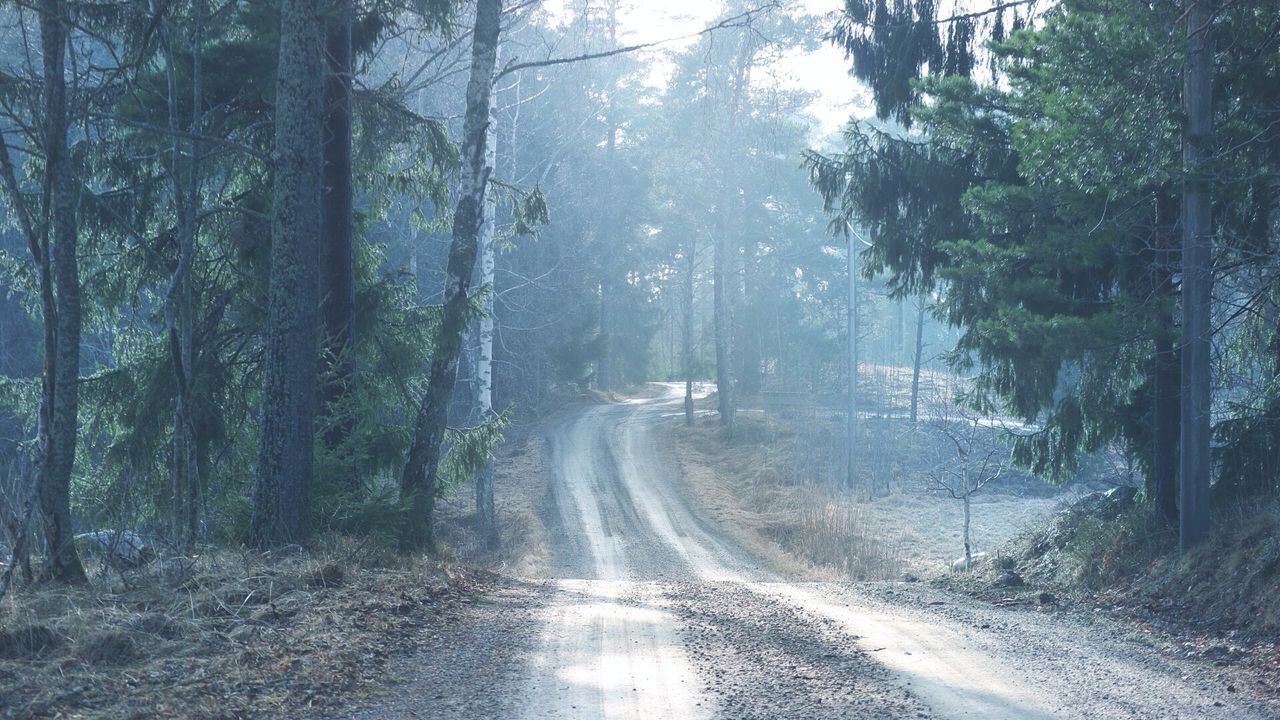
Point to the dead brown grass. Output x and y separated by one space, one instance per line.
747 486
1227 586
520 482
754 488
230 634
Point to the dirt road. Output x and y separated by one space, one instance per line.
652 613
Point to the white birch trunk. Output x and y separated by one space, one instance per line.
486 515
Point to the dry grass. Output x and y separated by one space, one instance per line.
228 634
930 529
746 487
1217 602
839 537
1228 586
754 487
520 481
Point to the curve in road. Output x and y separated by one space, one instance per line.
655 614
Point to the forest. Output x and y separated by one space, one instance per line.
602 358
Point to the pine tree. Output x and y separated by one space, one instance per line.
283 485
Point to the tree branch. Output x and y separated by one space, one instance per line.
738 20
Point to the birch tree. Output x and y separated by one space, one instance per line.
418 480
979 460
486 514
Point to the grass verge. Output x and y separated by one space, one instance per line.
1219 602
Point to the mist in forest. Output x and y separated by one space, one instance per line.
504 294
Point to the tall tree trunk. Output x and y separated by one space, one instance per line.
418 482
1197 276
486 512
722 305
604 378
918 359
337 242
750 378
852 427
898 336
179 317
609 371
62 306
686 332
282 488
723 265
1162 486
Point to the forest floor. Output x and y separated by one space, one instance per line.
648 570
650 602
225 635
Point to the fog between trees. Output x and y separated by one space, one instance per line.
288 268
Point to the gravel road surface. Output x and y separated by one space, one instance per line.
650 613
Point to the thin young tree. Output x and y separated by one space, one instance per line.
851 439
1166 374
724 249
917 359
979 460
185 170
686 330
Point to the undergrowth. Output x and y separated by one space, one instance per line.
1226 587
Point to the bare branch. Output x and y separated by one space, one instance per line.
738 20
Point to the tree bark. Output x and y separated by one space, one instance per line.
687 332
750 377
1197 277
179 312
723 265
282 488
614 282
418 481
899 332
59 422
337 243
1163 482
21 533
486 512
723 308
852 428
915 365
